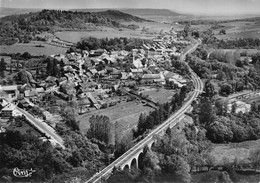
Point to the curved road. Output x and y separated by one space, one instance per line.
173 120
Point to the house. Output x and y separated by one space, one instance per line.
30 93
9 110
99 52
83 103
93 101
136 71
93 71
125 75
10 90
240 107
158 78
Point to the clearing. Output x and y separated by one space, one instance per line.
240 30
231 151
126 114
161 96
30 48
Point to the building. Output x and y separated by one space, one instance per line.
157 78
11 90
9 111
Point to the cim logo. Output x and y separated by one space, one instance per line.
23 172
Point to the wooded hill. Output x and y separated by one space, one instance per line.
23 28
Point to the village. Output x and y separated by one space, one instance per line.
95 80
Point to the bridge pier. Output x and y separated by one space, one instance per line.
132 162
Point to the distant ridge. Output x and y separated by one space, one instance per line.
15 11
150 12
117 15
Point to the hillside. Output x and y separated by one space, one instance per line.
23 28
120 16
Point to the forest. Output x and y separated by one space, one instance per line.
24 28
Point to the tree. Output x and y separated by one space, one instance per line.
179 167
118 133
100 128
151 164
224 177
2 65
209 89
141 126
209 160
222 31
206 112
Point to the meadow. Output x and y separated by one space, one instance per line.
240 30
126 114
30 48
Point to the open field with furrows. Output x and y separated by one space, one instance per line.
30 48
231 151
161 96
153 31
75 36
240 30
126 114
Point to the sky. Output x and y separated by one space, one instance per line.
219 7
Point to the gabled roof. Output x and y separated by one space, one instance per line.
151 76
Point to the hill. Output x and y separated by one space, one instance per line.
15 11
23 28
150 12
121 16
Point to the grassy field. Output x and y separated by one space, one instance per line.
75 36
240 30
231 151
239 177
161 96
30 48
154 27
126 114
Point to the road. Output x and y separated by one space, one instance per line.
173 120
42 126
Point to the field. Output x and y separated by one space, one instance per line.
106 32
30 48
161 96
234 150
212 177
126 114
240 30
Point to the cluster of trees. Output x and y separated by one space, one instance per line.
156 117
246 43
27 151
214 22
23 28
2 67
21 56
225 125
100 128
121 43
225 56
109 136
53 67
172 157
226 77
